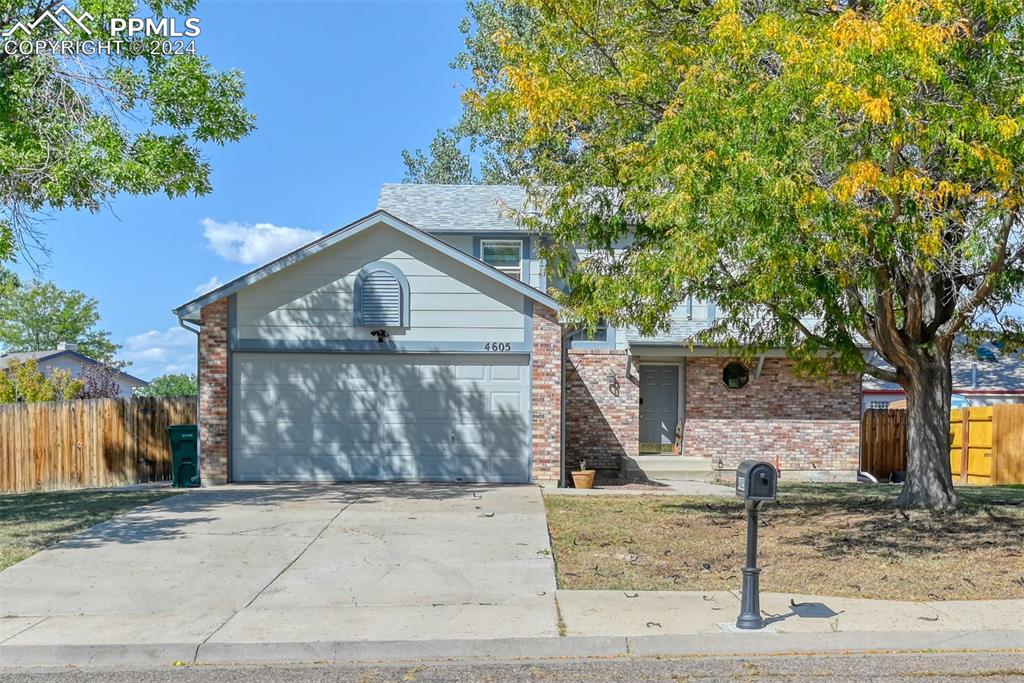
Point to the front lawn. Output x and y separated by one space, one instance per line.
30 522
834 539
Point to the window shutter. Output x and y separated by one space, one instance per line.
381 300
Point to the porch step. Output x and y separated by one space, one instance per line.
669 467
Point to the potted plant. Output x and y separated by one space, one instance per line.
583 478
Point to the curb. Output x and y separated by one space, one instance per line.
572 647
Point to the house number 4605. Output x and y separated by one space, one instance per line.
498 346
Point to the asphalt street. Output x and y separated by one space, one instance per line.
933 668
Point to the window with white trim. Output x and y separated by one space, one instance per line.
878 405
504 255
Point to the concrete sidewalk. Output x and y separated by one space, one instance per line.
594 623
646 613
659 488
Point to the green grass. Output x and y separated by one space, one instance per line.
30 522
824 539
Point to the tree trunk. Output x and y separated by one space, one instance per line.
929 478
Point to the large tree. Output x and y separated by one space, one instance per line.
443 163
77 130
835 174
171 385
40 315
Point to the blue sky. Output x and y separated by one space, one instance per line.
339 89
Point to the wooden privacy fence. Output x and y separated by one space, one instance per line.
83 444
986 443
883 439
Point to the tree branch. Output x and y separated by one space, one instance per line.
984 288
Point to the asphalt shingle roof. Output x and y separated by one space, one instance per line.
1004 373
681 331
39 356
22 356
472 208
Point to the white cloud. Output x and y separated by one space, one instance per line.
156 353
211 284
252 244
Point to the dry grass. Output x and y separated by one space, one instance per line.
843 540
30 522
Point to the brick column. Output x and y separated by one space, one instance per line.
214 385
602 410
546 396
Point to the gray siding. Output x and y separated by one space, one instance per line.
313 299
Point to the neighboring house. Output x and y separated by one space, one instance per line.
67 357
984 378
420 343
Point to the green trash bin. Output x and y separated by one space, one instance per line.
184 455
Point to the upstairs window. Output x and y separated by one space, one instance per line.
598 334
505 255
381 296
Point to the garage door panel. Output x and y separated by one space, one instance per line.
513 373
257 467
506 402
334 417
506 469
424 433
398 407
465 373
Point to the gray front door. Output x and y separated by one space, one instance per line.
659 406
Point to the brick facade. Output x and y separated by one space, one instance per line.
602 410
214 384
546 398
806 424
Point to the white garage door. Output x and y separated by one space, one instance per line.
351 417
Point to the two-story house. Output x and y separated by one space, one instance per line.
421 342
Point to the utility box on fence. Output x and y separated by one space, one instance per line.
184 455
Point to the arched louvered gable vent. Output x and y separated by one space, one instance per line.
382 296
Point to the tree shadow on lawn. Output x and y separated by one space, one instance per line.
839 520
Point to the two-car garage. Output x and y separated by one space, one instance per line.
378 353
368 417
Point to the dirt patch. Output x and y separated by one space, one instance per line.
830 540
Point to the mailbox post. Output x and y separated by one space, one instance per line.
756 482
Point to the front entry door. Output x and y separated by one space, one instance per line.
659 407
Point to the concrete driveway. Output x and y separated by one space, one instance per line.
291 564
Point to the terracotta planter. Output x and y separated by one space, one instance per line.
583 479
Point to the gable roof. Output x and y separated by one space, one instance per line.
190 310
454 208
41 356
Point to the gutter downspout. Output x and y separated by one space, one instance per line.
199 442
563 480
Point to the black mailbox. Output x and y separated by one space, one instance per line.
756 480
